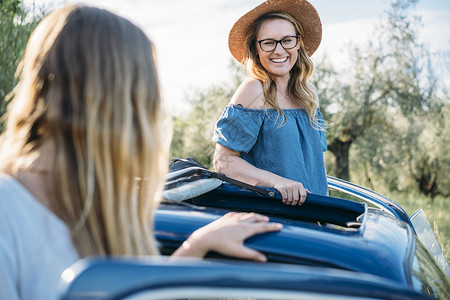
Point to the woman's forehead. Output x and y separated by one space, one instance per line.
275 29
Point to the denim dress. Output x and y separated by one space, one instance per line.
290 147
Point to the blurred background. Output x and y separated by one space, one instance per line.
382 73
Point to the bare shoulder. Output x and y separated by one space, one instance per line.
313 88
249 94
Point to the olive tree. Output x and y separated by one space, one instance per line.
390 81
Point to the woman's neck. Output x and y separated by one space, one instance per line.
37 184
282 84
37 176
284 99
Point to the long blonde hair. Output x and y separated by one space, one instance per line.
298 87
88 83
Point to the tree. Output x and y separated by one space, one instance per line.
193 132
16 24
417 123
424 150
391 78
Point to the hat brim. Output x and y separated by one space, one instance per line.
301 10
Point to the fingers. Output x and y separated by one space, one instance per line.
248 253
227 234
291 196
284 194
247 225
265 227
292 192
303 194
251 217
259 223
251 223
295 198
234 217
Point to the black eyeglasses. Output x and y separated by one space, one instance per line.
288 42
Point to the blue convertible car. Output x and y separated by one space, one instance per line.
361 247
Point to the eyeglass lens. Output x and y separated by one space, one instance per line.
270 44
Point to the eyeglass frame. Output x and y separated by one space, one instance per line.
297 38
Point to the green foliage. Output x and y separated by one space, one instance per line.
388 117
16 24
193 132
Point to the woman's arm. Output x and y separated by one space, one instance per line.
230 163
226 236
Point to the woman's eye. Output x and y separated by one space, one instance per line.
269 43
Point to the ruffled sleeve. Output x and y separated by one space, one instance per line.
323 138
238 128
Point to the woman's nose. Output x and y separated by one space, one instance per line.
279 48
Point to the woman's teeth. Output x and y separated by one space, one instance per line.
279 60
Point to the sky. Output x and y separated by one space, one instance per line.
191 36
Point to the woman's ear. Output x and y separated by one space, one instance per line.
299 44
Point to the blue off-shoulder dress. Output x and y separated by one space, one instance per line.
290 148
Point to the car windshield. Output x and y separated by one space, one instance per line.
427 237
427 276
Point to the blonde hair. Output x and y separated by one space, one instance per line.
88 83
298 87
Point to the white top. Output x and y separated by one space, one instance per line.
35 245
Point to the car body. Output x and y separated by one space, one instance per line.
329 248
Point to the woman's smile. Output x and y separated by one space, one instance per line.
279 60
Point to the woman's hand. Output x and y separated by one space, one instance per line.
226 236
293 192
230 163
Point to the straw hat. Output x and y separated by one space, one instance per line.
301 10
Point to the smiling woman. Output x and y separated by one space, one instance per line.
272 132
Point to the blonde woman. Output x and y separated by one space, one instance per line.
84 123
272 132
